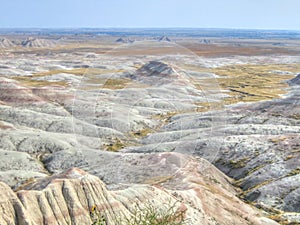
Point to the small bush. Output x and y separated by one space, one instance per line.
169 214
97 217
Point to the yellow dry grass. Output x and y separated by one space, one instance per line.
115 146
142 133
76 71
113 83
28 81
89 73
158 179
207 106
248 82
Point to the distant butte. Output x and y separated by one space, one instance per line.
164 38
124 40
205 41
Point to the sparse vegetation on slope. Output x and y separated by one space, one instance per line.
169 214
250 83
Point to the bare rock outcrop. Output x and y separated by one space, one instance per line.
6 43
205 41
124 40
164 38
68 198
48 129
295 80
156 73
37 43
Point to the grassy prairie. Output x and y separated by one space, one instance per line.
250 83
28 81
89 73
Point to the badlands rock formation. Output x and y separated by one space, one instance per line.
206 196
37 43
138 128
260 150
205 41
6 43
124 40
295 81
164 38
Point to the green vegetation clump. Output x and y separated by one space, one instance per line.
170 214
97 217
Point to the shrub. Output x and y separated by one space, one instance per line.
169 214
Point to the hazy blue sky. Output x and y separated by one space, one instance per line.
271 14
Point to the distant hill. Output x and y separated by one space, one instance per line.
155 73
164 38
124 40
37 43
295 81
205 41
6 43
156 68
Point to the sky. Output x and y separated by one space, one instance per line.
248 14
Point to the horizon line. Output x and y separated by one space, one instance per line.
160 28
